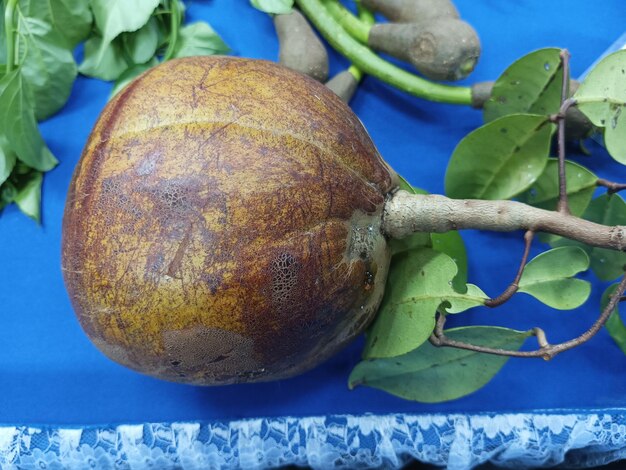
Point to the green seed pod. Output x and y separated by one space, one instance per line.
300 48
344 84
440 49
412 11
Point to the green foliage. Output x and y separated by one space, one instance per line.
18 125
544 193
430 374
500 159
199 39
70 18
602 98
548 278
419 283
114 17
142 45
614 325
276 7
126 37
532 84
106 63
47 64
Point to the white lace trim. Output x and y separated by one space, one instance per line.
455 441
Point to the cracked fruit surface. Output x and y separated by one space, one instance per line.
223 224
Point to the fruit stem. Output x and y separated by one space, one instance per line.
407 213
370 63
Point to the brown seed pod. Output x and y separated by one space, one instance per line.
412 11
223 224
344 85
300 48
441 48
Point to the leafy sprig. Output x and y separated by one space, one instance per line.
121 39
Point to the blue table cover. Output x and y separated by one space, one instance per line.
64 405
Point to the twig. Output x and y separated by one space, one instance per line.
563 205
611 186
514 286
407 213
546 350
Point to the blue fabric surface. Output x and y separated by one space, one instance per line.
50 374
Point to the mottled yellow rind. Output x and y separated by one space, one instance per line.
231 205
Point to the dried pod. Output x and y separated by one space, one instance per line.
440 49
344 85
223 224
412 11
300 48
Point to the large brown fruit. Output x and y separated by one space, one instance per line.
223 224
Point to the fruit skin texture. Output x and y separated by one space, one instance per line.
223 224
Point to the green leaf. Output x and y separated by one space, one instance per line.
548 278
108 66
614 325
602 98
7 160
47 65
28 196
452 245
606 210
114 17
431 375
532 84
500 159
142 44
130 74
71 18
7 194
276 7
544 193
18 124
419 282
199 39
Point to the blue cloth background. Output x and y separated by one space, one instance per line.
51 377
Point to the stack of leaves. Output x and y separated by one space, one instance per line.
37 43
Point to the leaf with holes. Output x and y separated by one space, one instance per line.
606 210
532 84
602 98
276 7
500 159
548 278
431 375
419 283
544 193
614 325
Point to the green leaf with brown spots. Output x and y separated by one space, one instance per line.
419 283
500 159
431 375
532 84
